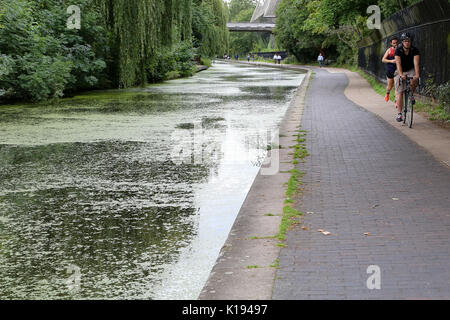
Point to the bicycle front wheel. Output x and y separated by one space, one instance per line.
409 113
405 106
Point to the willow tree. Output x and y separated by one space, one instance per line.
138 29
210 27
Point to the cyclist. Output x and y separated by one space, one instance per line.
389 59
407 60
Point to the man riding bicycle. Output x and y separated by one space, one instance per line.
407 60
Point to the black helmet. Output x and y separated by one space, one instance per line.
405 36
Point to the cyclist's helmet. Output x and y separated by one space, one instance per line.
405 36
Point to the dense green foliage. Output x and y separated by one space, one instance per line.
151 38
121 43
441 93
242 43
140 32
40 58
306 27
237 7
210 27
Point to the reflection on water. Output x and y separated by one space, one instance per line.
137 189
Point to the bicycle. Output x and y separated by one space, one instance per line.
408 104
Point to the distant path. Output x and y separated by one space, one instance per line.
384 199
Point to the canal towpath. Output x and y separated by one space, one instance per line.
377 190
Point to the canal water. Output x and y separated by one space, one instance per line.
131 194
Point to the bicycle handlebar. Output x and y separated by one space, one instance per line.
420 84
407 78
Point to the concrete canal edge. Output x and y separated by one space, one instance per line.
246 266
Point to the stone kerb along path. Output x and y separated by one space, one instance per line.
246 266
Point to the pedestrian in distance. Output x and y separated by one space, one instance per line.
320 59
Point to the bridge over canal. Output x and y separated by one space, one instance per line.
263 19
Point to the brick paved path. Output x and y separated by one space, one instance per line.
358 163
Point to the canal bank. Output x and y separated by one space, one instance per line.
247 263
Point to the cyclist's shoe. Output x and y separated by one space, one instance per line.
386 98
399 117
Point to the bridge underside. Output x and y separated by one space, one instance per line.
250 27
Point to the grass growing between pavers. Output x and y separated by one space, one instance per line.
290 218
253 267
290 215
292 184
275 264
258 238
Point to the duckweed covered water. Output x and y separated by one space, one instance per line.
131 194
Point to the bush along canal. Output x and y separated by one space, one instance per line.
131 194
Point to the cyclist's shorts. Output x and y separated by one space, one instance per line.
390 75
402 87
